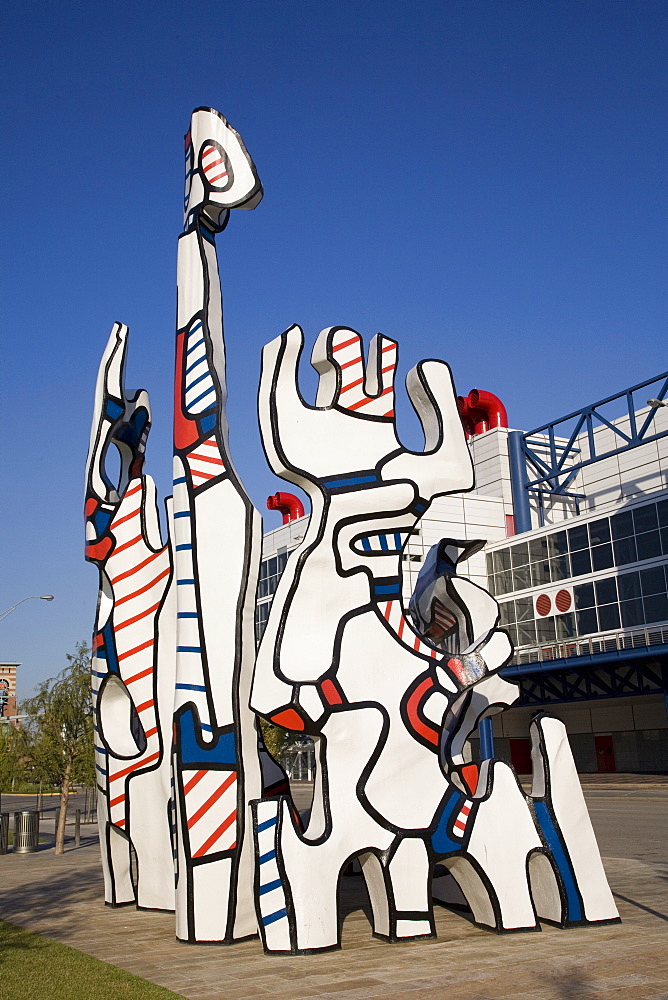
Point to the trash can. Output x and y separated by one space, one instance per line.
26 831
4 832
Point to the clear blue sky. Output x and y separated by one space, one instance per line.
484 181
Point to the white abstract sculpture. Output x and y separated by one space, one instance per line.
133 645
390 699
340 660
217 542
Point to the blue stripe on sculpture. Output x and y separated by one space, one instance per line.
270 886
112 409
554 842
207 392
223 751
441 842
195 364
110 648
207 423
195 346
332 484
274 916
196 381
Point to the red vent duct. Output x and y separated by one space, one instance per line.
480 411
287 504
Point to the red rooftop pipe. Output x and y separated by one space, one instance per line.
480 411
288 504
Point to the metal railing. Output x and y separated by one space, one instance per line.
650 635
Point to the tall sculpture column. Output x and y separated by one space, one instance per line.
216 536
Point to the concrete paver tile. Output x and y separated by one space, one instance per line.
61 898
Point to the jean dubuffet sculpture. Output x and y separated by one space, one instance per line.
195 816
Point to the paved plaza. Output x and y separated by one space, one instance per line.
61 897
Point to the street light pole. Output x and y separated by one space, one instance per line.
34 597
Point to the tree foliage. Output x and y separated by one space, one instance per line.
275 739
55 741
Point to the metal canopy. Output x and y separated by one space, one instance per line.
615 674
555 463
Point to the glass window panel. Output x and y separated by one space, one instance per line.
512 632
628 586
584 596
264 590
263 570
608 617
272 566
601 557
506 613
490 564
625 551
538 549
565 625
501 560
664 541
519 555
504 583
282 559
560 568
656 608
662 511
645 519
491 583
606 591
523 609
587 622
578 537
271 584
557 543
599 531
526 633
580 562
540 573
632 613
622 524
521 578
652 581
546 630
649 545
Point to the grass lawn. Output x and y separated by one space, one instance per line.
34 968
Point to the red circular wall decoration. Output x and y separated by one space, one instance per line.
543 605
563 600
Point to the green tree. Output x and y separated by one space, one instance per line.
56 738
275 739
10 756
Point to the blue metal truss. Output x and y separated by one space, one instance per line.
555 464
614 674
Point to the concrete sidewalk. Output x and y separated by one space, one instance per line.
61 897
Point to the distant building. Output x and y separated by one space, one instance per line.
7 691
575 515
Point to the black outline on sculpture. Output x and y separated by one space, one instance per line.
364 510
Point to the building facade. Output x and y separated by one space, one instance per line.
7 691
575 519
